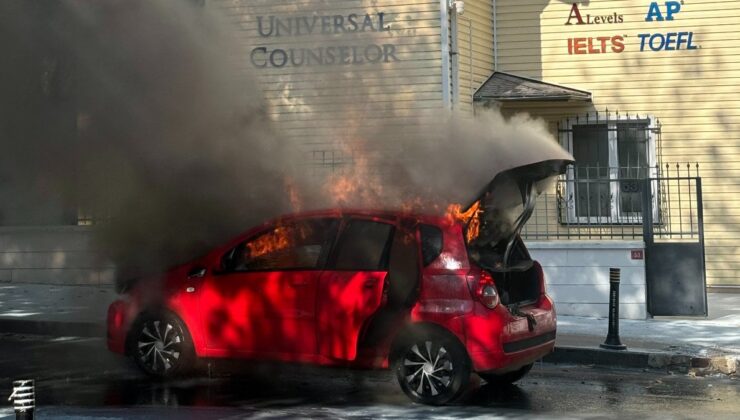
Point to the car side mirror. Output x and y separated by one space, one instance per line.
226 263
197 272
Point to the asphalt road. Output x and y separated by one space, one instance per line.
79 378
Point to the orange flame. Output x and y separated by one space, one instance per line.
471 217
280 238
276 240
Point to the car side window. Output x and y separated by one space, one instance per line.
431 243
289 246
364 246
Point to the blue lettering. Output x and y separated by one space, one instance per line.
669 41
658 37
643 37
680 39
654 12
671 8
689 45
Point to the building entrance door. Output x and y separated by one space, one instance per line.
674 244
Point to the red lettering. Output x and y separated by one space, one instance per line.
591 49
597 45
575 13
617 43
602 40
579 45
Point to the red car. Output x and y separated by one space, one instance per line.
436 298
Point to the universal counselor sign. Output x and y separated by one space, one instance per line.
321 27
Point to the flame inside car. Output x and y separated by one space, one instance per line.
470 217
279 238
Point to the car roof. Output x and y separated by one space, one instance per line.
440 221
434 219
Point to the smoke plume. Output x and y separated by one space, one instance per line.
141 113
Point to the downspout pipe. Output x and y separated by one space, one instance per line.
495 38
454 60
444 17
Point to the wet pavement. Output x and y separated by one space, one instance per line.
78 378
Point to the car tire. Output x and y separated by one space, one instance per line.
432 367
506 378
161 346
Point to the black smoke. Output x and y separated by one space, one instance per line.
143 115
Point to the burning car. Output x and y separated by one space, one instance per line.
437 298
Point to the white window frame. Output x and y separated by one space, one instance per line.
616 216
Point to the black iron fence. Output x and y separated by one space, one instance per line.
620 203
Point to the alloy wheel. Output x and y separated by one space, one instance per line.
427 369
159 346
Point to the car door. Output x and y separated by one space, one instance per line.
263 301
351 288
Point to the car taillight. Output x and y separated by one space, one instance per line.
115 314
486 291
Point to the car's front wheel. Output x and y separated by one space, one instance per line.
432 368
161 346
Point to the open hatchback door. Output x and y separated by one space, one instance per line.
506 203
498 211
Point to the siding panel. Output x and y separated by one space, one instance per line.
314 102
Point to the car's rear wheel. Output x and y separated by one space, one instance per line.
161 346
506 378
432 368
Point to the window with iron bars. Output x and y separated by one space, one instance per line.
614 155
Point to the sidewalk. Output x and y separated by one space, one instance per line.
697 345
681 343
54 309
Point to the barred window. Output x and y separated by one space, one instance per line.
613 157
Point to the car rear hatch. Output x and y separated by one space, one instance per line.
498 213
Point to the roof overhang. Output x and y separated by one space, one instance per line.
507 87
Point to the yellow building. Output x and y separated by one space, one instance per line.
674 62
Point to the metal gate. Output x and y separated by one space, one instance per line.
673 231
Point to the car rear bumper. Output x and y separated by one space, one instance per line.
502 362
499 342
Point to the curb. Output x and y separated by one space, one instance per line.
683 363
52 328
